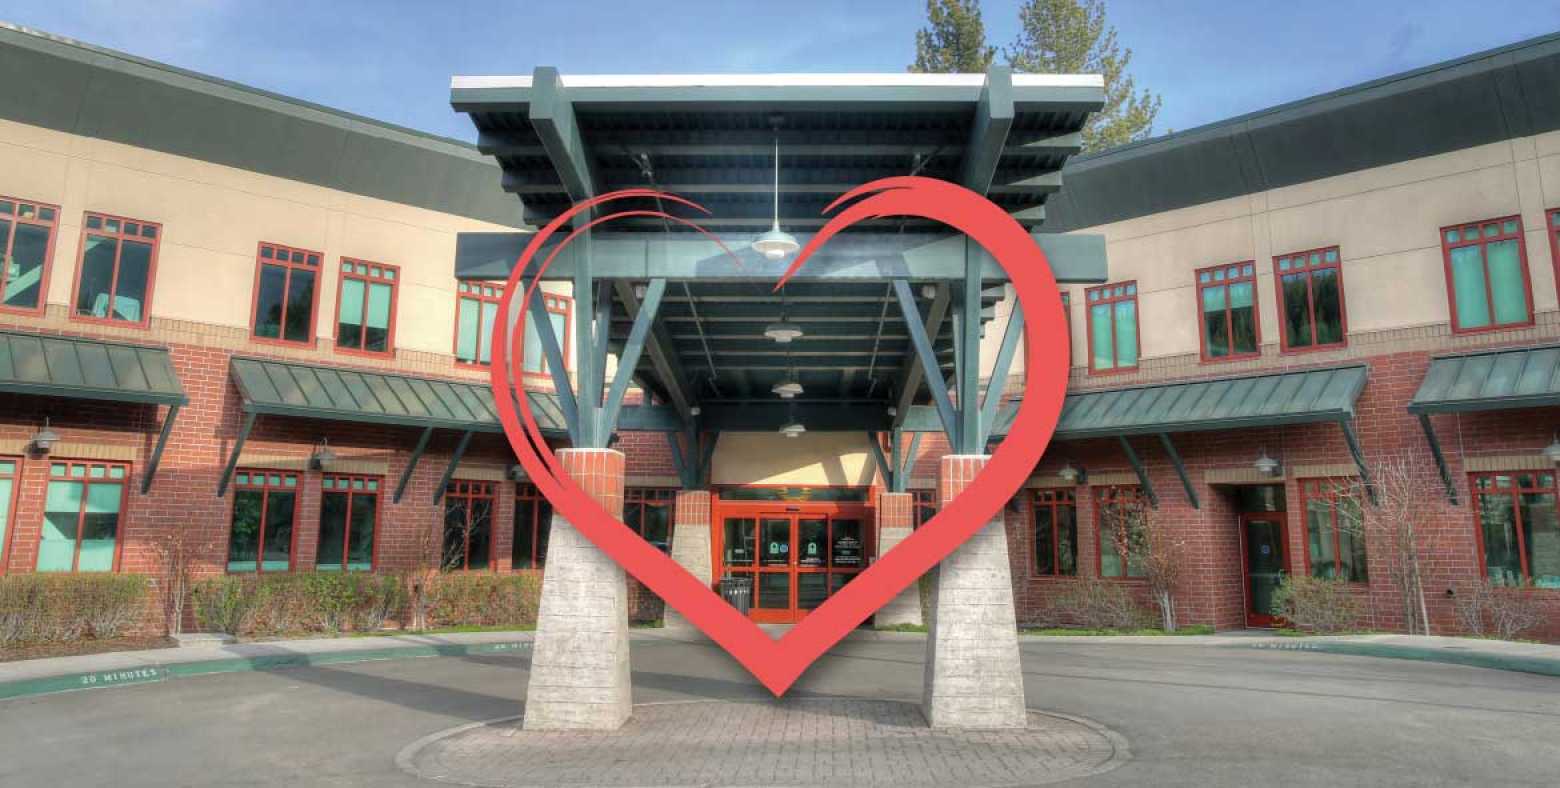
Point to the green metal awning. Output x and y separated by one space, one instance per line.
77 368
87 369
279 388
1501 379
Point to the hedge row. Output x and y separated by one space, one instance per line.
41 607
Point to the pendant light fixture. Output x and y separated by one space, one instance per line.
777 243
783 331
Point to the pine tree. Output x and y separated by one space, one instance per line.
1072 37
954 40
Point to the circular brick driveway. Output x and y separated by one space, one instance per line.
782 742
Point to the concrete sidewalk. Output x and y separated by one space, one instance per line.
60 674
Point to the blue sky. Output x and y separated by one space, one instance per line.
392 60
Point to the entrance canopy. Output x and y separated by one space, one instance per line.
887 300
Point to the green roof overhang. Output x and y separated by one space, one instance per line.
88 369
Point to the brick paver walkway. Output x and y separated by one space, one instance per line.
784 742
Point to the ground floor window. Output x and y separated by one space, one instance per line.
8 472
533 521
468 524
265 506
349 514
924 503
1334 529
1518 528
649 512
1056 532
81 516
1115 509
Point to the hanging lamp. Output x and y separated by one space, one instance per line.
777 243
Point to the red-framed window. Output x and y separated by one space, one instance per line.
648 510
1519 531
117 269
265 508
1487 283
1113 327
468 525
559 311
365 307
286 294
1108 502
82 516
1554 240
1227 310
924 507
27 232
1334 529
1310 300
10 475
1055 514
533 522
476 309
349 521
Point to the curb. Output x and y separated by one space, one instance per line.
98 679
1537 665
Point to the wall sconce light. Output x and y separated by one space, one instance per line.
43 440
1552 451
517 473
1070 474
1265 465
322 456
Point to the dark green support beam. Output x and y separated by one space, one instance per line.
928 359
449 470
968 338
552 116
999 372
876 444
603 338
628 360
411 463
912 373
1180 469
907 466
1440 458
663 355
238 446
681 461
556 368
707 458
1349 437
989 133
157 450
1142 473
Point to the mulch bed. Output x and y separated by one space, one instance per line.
79 647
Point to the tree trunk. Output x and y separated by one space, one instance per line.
1167 611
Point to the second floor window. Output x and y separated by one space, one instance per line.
558 309
285 285
1113 327
365 317
1486 275
1334 529
26 244
118 264
1056 532
265 506
476 309
1310 299
1227 300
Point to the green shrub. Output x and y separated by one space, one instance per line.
224 604
281 604
52 608
384 597
475 599
1093 603
1317 604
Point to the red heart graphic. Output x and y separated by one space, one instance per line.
778 663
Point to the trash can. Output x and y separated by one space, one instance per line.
738 592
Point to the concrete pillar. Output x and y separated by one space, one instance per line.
691 544
896 515
579 665
973 678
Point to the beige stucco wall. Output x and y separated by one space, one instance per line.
213 217
1384 220
814 458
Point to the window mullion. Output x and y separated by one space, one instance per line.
113 280
81 520
1489 282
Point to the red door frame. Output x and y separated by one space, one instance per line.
1254 619
794 511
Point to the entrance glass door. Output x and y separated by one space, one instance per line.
795 560
1263 537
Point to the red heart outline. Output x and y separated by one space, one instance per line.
778 664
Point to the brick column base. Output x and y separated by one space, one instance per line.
691 544
579 665
973 678
895 512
